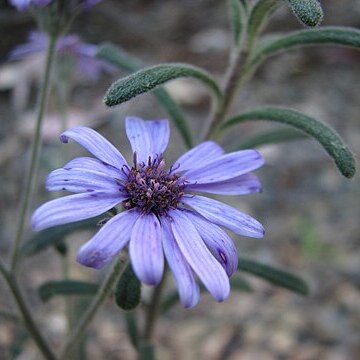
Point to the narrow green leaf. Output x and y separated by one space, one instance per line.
9 316
150 78
328 138
128 290
53 236
132 328
18 344
66 287
275 276
240 284
118 57
122 60
175 114
331 35
259 14
309 12
237 18
270 137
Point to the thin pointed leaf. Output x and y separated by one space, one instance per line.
66 287
237 17
275 276
327 35
53 236
240 284
128 290
118 57
175 114
150 78
270 137
328 138
8 316
122 60
308 12
259 14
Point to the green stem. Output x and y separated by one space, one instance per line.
108 283
152 312
233 79
27 314
31 174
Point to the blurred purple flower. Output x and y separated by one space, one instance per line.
161 214
84 54
23 5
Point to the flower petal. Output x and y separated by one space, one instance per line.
81 181
225 167
87 163
243 184
108 241
139 135
209 270
74 208
145 248
96 144
159 133
225 215
220 244
188 288
198 155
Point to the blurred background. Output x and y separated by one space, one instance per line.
310 212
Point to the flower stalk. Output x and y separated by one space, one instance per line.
26 314
35 151
105 289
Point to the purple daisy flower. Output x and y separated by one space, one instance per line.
162 215
85 54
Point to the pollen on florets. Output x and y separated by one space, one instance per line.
151 188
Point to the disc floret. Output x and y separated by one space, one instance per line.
151 188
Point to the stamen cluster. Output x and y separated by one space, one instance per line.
151 188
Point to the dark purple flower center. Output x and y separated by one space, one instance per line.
151 188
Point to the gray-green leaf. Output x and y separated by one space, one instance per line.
150 78
52 236
331 35
237 17
123 60
259 14
275 276
269 137
327 137
66 287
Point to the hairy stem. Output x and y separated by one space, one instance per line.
79 331
27 314
35 151
234 77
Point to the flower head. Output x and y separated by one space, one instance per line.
162 215
83 53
